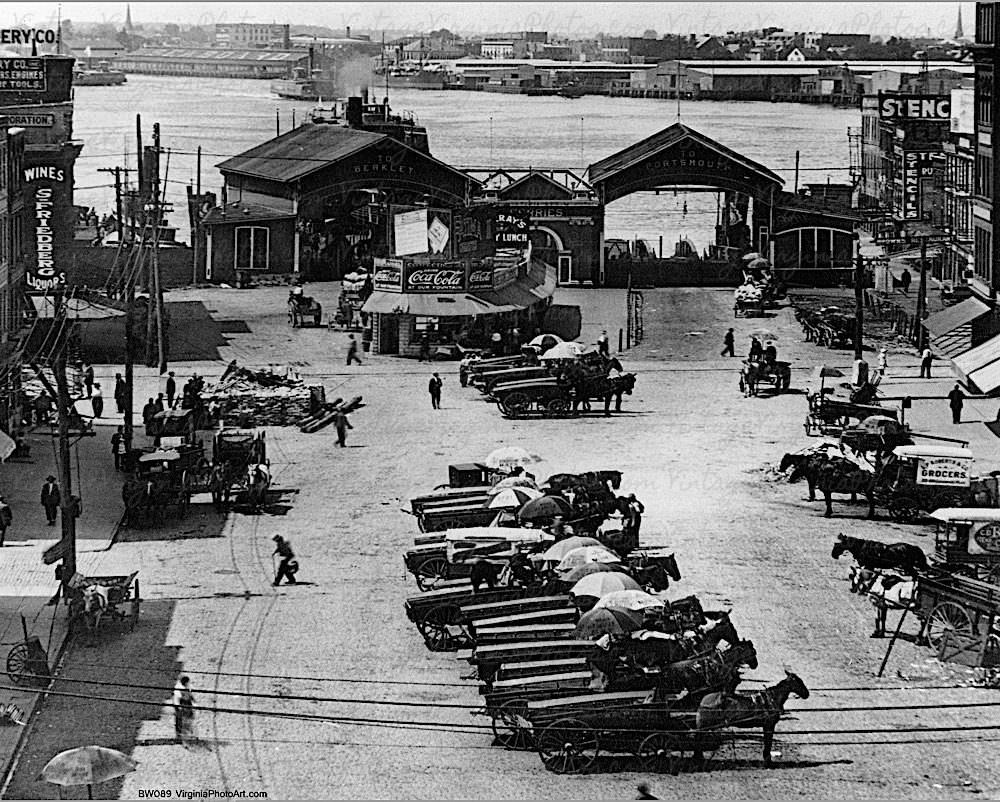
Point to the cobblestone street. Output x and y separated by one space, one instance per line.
272 666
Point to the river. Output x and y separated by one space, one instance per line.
466 129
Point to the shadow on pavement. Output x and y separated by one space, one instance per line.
107 715
201 521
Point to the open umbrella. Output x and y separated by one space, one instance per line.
509 457
600 622
86 765
764 334
588 554
573 576
758 264
512 498
545 341
513 481
600 585
630 600
561 548
752 255
544 509
564 350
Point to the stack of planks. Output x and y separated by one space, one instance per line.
323 418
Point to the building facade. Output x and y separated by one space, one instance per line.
209 62
984 221
253 35
960 160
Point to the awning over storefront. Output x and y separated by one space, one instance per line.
951 328
426 305
980 366
75 308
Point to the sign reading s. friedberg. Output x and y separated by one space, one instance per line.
42 183
944 471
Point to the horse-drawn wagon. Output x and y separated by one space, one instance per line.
967 542
552 397
915 480
959 617
754 374
240 467
304 311
93 600
163 477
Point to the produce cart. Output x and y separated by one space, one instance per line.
94 600
967 542
959 617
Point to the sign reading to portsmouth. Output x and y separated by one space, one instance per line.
22 75
949 471
388 275
442 277
43 274
930 108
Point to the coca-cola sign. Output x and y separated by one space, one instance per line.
480 278
388 275
448 277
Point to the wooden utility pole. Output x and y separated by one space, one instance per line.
859 306
922 293
67 506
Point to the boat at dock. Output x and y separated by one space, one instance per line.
101 75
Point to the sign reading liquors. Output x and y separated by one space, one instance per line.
388 275
443 277
44 275
929 108
22 75
944 471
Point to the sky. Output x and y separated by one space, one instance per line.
574 19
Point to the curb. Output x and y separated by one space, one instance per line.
57 666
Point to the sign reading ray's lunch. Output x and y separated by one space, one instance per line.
944 471
22 75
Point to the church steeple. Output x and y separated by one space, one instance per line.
128 18
959 33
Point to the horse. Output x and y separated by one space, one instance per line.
750 709
220 485
749 374
871 554
143 495
95 604
885 592
831 475
713 669
655 573
615 386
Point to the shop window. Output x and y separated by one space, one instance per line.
252 247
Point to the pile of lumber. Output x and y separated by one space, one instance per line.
265 397
324 417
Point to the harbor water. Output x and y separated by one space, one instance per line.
466 129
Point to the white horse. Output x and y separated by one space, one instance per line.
886 591
95 604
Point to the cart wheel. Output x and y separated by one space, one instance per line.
659 752
437 628
558 407
948 617
506 729
431 571
17 663
516 404
903 509
568 746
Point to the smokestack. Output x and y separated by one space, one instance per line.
354 112
364 95
348 35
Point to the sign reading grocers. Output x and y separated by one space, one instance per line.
944 471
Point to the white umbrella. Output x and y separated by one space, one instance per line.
509 457
543 340
586 554
630 600
564 350
512 498
753 255
600 585
561 548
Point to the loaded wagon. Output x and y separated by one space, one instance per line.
304 311
163 477
967 542
915 480
241 466
94 600
754 374
959 617
829 415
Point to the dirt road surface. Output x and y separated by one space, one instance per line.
273 663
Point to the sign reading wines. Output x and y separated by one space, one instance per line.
438 277
43 274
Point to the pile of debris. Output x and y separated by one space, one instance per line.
263 397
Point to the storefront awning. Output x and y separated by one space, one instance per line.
951 328
980 366
426 305
75 308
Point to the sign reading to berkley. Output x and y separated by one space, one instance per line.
388 275
441 277
510 230
932 108
949 471
911 185
22 75
43 275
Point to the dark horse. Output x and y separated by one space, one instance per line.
831 475
655 572
713 669
871 554
751 709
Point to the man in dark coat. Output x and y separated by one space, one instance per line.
288 566
434 388
120 392
728 344
88 379
341 424
956 400
148 411
50 499
171 389
756 350
633 517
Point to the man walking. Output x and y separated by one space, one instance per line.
6 517
602 344
341 424
183 708
925 364
905 280
883 362
956 400
118 448
50 499
120 393
171 389
97 399
434 388
352 350
288 567
728 344
88 379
